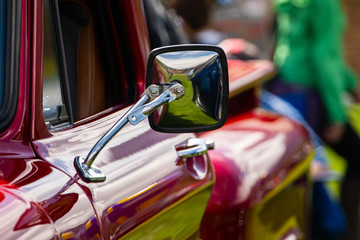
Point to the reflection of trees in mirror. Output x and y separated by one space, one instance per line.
200 74
184 112
185 115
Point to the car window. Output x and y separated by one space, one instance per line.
2 49
53 104
10 39
85 69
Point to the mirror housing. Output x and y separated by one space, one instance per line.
202 71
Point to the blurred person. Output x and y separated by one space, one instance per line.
163 25
314 78
196 24
196 16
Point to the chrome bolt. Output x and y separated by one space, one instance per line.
153 89
178 90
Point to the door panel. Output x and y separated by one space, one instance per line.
143 183
170 223
144 180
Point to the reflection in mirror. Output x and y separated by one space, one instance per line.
200 73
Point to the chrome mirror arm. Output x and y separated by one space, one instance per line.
138 112
169 95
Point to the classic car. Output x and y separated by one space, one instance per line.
101 138
73 77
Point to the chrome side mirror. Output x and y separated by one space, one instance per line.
202 71
187 91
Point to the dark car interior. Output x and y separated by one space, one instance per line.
97 77
162 27
10 38
93 56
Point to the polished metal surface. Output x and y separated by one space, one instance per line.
169 95
201 74
138 112
88 174
196 147
112 131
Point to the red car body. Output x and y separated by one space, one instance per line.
255 186
261 162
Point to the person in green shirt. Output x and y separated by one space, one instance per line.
314 77
309 51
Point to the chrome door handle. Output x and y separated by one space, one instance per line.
195 147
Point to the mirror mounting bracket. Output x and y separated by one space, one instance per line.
173 91
153 97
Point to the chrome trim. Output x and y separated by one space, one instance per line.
169 95
88 174
138 112
196 147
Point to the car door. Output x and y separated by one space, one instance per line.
33 193
89 66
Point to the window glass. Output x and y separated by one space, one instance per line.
2 49
53 104
86 67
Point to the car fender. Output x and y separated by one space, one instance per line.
253 155
258 156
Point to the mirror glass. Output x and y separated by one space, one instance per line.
204 104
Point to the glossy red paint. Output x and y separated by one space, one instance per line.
38 127
34 199
134 153
42 197
130 153
133 13
245 78
254 153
